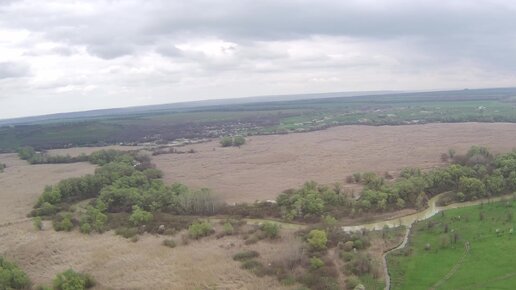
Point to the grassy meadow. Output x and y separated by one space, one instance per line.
466 248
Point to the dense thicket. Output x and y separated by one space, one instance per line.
124 182
477 174
34 157
12 277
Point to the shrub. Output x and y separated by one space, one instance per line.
316 263
228 228
71 280
329 221
140 216
200 229
85 228
352 282
348 246
63 223
226 141
46 209
238 141
361 265
245 255
346 257
169 243
271 230
126 232
251 264
317 239
12 277
38 224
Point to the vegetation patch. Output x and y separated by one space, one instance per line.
71 280
12 277
474 175
466 248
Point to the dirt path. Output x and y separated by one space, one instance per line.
454 269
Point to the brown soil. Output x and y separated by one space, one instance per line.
267 165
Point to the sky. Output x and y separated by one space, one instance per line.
65 55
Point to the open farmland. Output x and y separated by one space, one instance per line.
267 165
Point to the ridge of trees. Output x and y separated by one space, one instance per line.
124 183
476 174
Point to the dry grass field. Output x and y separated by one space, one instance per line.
258 170
267 165
115 262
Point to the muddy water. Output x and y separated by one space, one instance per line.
408 220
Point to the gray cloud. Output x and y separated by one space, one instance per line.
10 70
137 50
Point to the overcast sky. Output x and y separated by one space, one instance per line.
66 55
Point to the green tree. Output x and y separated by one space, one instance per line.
71 280
140 216
226 141
495 184
316 263
38 224
200 229
472 187
12 277
271 230
317 239
238 141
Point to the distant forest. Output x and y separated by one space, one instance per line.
130 126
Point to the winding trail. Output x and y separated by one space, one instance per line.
454 269
409 220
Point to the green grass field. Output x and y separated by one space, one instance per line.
434 260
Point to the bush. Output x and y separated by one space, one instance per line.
63 223
226 141
200 229
228 228
169 243
352 282
38 224
45 209
126 232
238 141
251 264
271 230
12 277
346 257
85 228
316 263
317 239
245 255
71 280
140 216
348 246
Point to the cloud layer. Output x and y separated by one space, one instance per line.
61 55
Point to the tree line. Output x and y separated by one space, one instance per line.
124 183
476 174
